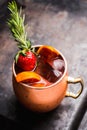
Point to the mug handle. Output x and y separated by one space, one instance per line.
74 81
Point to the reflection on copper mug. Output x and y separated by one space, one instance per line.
44 99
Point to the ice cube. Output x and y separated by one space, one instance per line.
51 70
55 75
57 64
43 68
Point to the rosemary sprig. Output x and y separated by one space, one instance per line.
17 27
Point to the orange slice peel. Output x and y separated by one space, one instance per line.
47 52
28 76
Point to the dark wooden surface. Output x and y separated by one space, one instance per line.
64 26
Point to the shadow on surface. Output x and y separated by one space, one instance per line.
3 15
4 12
36 120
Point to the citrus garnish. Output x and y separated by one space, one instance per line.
48 52
42 83
38 84
28 76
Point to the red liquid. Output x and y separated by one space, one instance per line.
50 70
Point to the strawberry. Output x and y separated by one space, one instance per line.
25 58
27 62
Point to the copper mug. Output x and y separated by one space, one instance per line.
44 99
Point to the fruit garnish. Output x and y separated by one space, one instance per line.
25 58
38 84
28 76
27 62
42 83
47 52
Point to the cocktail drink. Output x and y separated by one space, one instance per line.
50 67
39 73
44 93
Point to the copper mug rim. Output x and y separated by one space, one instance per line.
53 84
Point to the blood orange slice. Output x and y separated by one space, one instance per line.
48 52
42 83
28 76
